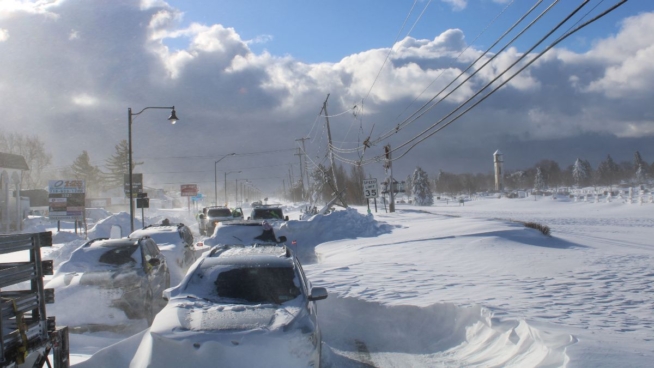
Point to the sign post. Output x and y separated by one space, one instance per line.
188 191
66 200
371 190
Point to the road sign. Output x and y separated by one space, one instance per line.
189 190
137 183
370 188
66 199
143 202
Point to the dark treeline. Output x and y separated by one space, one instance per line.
545 174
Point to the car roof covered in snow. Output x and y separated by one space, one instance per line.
257 256
113 243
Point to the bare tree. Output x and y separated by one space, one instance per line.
32 148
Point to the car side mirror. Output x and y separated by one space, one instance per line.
318 293
166 295
154 262
201 217
285 218
282 239
199 244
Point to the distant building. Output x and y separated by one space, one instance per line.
498 161
11 214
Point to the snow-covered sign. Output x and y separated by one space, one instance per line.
370 188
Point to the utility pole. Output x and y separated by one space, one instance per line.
299 154
329 142
389 166
290 184
306 169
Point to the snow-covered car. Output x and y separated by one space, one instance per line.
267 212
241 306
176 243
245 232
212 216
110 282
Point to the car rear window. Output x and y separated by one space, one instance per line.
272 213
258 284
219 212
120 256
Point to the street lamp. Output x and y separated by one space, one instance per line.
231 172
173 119
215 168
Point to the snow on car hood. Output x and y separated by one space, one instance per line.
198 315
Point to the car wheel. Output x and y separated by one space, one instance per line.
149 308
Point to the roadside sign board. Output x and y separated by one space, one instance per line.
370 188
66 199
189 190
137 183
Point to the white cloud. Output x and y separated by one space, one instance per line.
457 4
260 39
4 35
11 8
84 99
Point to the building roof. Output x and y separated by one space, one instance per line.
11 161
497 153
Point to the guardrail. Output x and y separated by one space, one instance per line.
27 335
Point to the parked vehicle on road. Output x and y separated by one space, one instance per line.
244 306
212 216
109 282
267 212
176 242
244 232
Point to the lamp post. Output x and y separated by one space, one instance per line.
231 172
173 119
215 168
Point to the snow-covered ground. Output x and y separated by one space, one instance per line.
450 285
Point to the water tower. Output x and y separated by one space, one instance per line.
498 160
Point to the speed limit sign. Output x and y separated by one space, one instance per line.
370 188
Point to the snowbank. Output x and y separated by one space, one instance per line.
102 228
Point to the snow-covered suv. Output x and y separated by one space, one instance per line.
245 306
212 216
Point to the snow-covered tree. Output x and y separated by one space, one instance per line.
539 180
607 171
580 174
420 188
408 186
641 175
318 184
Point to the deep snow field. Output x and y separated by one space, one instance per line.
452 286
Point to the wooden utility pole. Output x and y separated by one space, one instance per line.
306 169
389 166
299 154
329 142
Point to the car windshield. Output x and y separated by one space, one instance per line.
258 285
268 213
219 212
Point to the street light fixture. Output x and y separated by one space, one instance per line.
215 168
230 172
173 119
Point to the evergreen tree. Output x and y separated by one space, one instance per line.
641 175
420 188
408 186
82 169
580 174
589 171
117 165
607 171
539 180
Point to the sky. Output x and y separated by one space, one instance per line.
250 77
